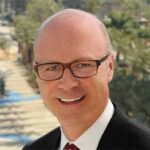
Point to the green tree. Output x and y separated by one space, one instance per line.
4 43
39 10
92 6
130 85
25 28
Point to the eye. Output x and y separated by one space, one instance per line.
84 64
53 67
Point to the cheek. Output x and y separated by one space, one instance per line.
46 89
100 87
97 96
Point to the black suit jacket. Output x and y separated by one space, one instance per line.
120 134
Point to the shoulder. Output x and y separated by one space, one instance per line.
46 141
137 135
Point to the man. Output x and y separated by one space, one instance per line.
74 65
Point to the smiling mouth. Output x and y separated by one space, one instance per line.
71 100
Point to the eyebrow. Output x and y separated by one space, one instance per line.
79 59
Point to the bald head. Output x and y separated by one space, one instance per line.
71 17
74 23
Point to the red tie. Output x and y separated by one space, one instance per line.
70 147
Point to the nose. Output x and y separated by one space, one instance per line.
68 81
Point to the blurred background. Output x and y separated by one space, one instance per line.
23 116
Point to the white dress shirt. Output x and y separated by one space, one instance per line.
90 138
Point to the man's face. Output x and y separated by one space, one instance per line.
74 100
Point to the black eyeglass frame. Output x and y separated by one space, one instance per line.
68 65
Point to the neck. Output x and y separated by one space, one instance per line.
73 132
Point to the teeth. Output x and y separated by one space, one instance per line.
70 99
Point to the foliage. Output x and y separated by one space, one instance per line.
87 5
130 86
119 19
132 95
37 11
4 43
25 28
92 6
71 3
144 33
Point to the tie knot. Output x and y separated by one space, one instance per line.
70 147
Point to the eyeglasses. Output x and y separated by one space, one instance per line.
79 69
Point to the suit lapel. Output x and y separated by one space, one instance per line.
54 140
115 134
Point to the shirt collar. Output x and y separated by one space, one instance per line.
95 131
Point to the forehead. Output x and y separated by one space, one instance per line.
70 37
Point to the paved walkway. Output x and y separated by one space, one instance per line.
23 116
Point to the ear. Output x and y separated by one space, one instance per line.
110 67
